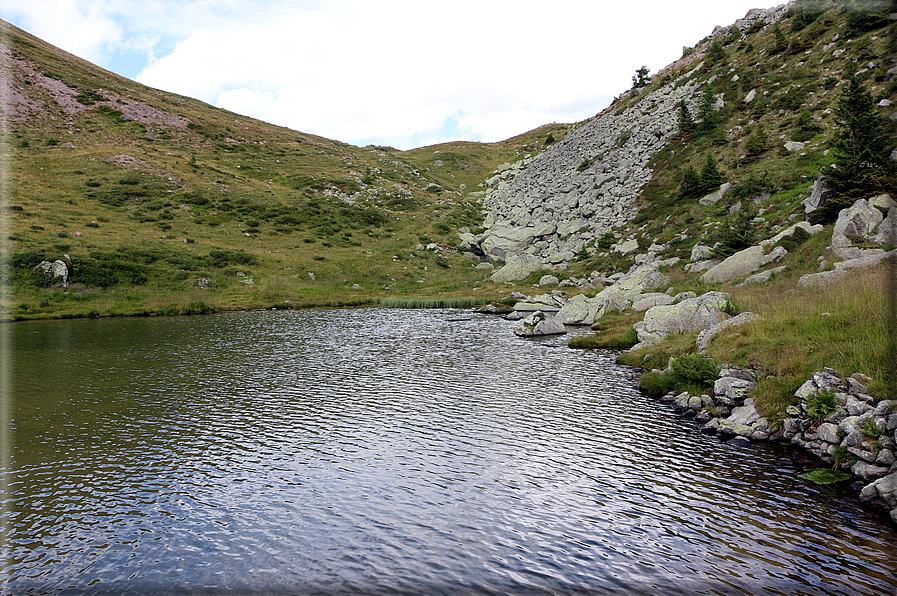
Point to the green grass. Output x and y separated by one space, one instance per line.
465 302
847 326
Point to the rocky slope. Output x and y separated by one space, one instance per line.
550 206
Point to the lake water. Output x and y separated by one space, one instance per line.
389 451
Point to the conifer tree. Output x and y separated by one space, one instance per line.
711 177
860 147
686 122
711 122
641 78
691 184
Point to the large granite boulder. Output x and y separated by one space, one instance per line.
707 335
505 241
820 195
689 316
791 230
516 268
887 229
842 269
717 195
739 265
856 223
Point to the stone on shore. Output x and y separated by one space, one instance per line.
538 324
689 316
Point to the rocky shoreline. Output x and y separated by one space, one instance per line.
836 420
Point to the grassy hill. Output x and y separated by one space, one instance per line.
168 205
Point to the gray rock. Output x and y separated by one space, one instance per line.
689 316
794 146
549 280
803 225
887 229
857 222
843 269
828 432
885 408
774 256
538 324
641 278
820 195
700 252
885 458
683 296
883 202
707 335
627 247
741 264
762 277
485 266
517 267
57 269
868 471
716 196
650 300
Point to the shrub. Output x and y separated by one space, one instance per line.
606 240
870 430
693 369
797 238
736 234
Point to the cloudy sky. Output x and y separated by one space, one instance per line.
405 73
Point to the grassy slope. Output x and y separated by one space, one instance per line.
221 197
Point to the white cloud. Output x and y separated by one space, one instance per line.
396 72
84 29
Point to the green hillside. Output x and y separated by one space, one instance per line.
168 205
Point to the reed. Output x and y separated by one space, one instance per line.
463 302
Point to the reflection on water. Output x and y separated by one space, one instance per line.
390 451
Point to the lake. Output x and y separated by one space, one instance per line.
390 451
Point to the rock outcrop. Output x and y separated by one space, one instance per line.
689 316
641 278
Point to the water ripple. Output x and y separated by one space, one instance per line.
396 452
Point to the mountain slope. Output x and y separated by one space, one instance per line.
166 204
772 80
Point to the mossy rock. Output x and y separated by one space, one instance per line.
825 476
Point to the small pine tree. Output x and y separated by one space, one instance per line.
711 177
641 77
686 122
711 122
691 184
779 43
756 144
716 53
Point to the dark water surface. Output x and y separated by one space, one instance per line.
389 451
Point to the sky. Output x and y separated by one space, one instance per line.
400 73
